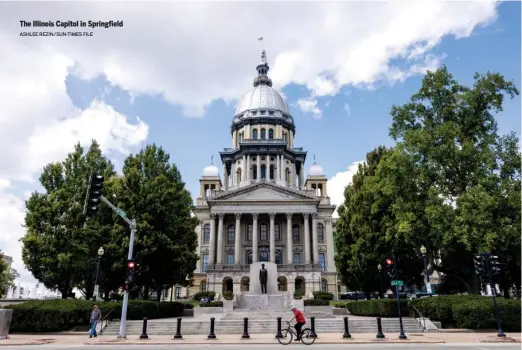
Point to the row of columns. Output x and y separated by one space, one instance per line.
311 252
247 174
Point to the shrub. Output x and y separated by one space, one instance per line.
62 315
339 304
228 295
297 295
316 302
470 311
377 308
323 296
200 295
212 304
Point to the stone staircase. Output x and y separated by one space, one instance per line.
262 325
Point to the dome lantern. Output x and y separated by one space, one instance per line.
315 170
211 170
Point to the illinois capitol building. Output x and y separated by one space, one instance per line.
262 207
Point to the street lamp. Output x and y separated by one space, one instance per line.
96 287
379 267
427 284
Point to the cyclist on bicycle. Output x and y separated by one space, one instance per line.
300 319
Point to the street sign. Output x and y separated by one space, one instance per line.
397 283
121 213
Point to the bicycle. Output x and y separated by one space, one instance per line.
289 333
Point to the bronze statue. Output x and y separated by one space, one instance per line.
263 278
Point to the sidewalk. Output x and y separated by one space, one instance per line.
328 338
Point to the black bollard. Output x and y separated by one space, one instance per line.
245 329
211 335
279 334
178 330
346 331
313 334
380 335
144 331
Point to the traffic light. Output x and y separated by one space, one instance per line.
389 268
494 265
131 269
95 194
479 265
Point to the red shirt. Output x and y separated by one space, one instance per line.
299 317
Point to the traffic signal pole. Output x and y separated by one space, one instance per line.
396 275
487 260
132 224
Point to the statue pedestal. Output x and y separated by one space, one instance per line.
262 301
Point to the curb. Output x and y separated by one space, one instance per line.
36 342
215 341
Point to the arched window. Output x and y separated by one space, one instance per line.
263 233
270 134
206 233
288 177
203 286
263 256
285 136
254 134
249 258
296 235
324 285
320 232
277 231
254 172
249 230
263 134
278 257
263 171
231 233
271 172
238 172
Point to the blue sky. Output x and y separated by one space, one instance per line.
176 85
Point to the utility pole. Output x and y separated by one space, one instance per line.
92 205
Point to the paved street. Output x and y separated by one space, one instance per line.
277 346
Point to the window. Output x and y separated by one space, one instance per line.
231 233
205 263
230 259
277 231
271 172
263 171
238 177
206 233
297 258
263 256
178 293
320 233
254 172
278 259
263 233
254 134
263 134
249 258
249 231
271 134
324 286
203 286
321 261
296 235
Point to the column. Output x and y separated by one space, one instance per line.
289 239
329 245
225 177
307 238
233 175
278 168
220 239
301 176
272 237
244 170
258 168
254 237
283 173
237 236
212 242
315 244
294 174
267 167
248 171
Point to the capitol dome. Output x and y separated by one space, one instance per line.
211 170
316 170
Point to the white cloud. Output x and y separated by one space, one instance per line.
310 106
338 183
347 109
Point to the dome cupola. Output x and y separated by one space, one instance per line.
211 170
315 170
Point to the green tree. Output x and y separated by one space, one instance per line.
153 193
59 247
7 276
449 131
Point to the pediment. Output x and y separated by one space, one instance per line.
265 193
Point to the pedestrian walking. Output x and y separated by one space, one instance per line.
95 318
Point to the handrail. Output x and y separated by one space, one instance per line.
421 315
106 319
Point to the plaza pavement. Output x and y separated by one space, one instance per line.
77 338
